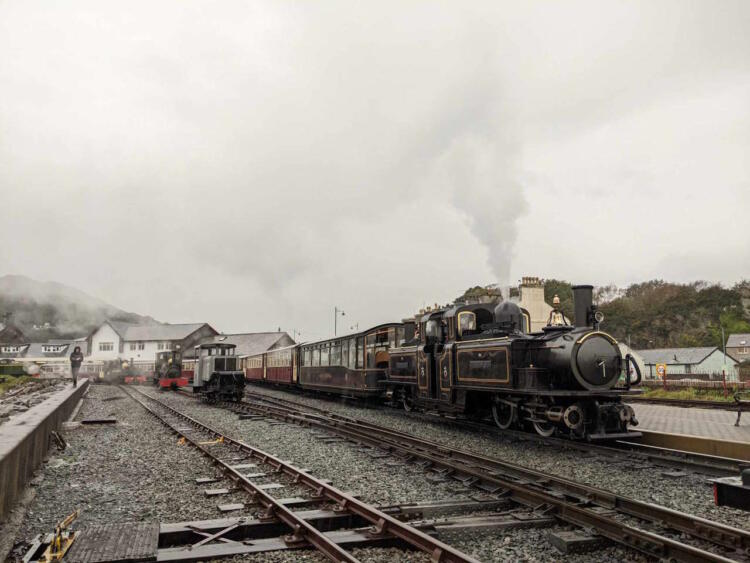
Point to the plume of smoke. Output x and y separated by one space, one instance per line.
481 178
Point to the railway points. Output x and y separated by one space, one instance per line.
347 428
479 507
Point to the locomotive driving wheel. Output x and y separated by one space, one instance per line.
545 429
504 414
407 401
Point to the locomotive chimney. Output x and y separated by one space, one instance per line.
583 298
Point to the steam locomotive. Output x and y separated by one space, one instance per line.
168 373
479 361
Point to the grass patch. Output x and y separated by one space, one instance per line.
691 394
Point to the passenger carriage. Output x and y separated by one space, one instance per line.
353 365
254 367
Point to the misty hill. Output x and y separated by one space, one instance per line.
659 314
55 309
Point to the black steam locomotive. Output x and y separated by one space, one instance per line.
476 360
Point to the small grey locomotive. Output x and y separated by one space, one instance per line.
217 376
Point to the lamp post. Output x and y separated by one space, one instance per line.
724 366
336 313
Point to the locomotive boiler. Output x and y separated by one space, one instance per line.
479 361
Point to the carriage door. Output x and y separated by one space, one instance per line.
295 358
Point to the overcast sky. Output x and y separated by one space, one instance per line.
255 164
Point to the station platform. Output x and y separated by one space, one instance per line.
706 423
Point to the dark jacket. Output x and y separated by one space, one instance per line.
75 359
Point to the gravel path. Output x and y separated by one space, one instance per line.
378 481
691 493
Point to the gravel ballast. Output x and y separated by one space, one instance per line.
133 470
136 471
383 481
690 493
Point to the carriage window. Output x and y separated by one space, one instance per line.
370 345
344 353
315 358
392 337
336 354
400 339
324 355
352 354
306 357
360 352
467 321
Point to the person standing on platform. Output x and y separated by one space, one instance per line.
76 358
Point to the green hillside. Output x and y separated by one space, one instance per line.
49 310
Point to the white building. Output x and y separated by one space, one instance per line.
531 298
140 343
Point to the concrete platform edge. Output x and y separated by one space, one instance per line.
25 440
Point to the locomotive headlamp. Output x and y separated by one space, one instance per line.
598 316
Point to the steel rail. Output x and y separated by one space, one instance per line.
301 529
665 457
383 524
570 500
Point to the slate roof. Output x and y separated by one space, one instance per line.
738 340
131 332
36 349
251 343
676 355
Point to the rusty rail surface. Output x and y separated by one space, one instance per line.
571 502
383 524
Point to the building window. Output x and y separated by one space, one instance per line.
688 368
743 350
132 346
141 346
106 346
10 348
160 346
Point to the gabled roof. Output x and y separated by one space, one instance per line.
738 340
251 343
36 349
133 332
676 355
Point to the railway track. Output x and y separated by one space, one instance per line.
676 535
217 447
623 450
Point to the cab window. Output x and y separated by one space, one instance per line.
432 329
467 322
